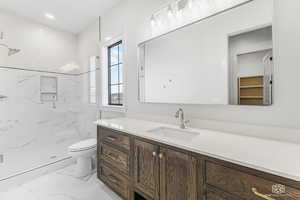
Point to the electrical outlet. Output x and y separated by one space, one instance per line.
1 158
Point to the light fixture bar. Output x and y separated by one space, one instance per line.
184 12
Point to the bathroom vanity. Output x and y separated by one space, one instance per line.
146 160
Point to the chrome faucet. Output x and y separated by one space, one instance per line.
180 114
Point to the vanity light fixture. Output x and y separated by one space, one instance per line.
49 16
181 12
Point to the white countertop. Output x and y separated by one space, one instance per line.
275 157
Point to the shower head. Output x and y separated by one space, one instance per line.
11 51
3 97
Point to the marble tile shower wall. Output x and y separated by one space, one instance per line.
31 132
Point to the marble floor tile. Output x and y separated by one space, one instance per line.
61 185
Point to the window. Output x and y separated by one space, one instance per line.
115 74
92 77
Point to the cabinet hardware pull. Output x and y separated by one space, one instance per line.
264 196
111 138
161 155
154 153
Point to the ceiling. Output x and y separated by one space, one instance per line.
70 15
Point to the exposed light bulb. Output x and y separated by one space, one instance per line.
179 14
170 11
153 21
191 4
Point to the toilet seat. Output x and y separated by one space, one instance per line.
83 145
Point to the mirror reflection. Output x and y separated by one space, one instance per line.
224 59
251 67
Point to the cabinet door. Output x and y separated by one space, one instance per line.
146 168
115 181
177 175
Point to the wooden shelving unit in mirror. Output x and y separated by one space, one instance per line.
250 90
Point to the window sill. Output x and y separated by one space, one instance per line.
111 108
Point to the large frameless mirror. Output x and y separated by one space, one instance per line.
226 58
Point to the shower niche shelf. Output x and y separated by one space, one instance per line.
48 89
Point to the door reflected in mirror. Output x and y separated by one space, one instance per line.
251 67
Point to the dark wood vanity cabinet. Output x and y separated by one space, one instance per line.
146 168
115 161
137 168
177 175
215 194
248 184
163 173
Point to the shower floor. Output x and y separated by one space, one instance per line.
21 161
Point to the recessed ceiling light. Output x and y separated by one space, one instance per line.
49 16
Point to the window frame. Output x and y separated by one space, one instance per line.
109 66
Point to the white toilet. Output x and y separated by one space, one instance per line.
83 152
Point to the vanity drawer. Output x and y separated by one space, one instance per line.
245 185
115 138
215 194
116 158
115 181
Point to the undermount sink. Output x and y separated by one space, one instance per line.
174 133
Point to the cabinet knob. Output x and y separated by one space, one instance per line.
154 154
161 155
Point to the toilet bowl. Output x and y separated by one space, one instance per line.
83 152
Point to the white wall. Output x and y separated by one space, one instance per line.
42 48
130 18
88 46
